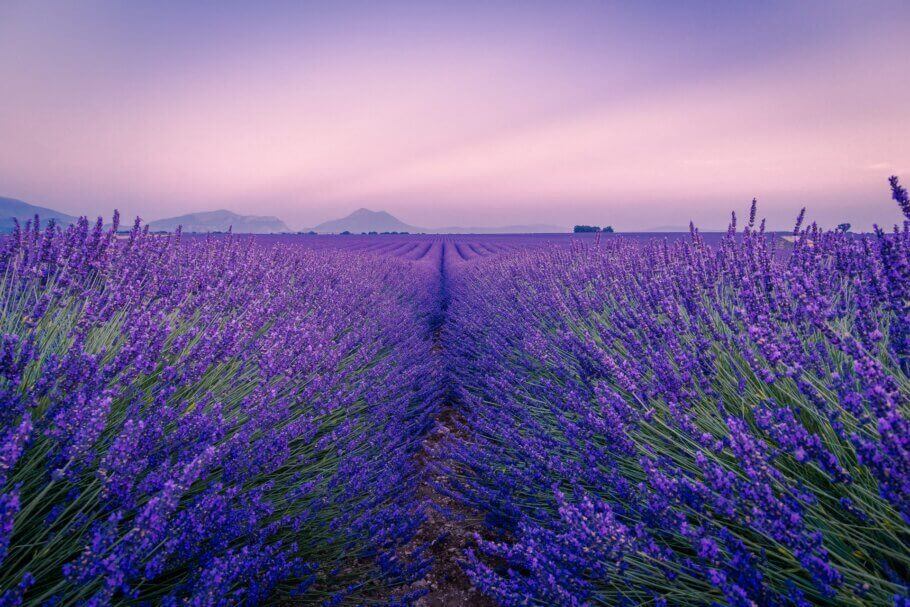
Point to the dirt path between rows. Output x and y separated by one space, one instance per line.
450 526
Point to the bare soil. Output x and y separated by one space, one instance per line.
449 528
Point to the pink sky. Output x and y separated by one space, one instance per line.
457 114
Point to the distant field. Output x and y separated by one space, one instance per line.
473 246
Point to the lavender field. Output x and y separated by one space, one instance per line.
686 419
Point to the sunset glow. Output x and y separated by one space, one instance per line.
639 117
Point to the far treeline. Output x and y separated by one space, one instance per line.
579 229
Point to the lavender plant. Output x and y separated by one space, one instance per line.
679 423
206 420
223 420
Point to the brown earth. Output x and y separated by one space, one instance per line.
449 528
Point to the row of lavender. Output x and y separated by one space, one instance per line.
207 421
426 248
678 423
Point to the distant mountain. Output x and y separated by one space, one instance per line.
365 220
220 221
11 208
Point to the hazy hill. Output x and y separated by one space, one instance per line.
365 220
11 208
220 221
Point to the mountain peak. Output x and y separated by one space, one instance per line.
366 220
364 212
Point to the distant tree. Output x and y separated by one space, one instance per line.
843 228
346 233
373 233
608 229
581 229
